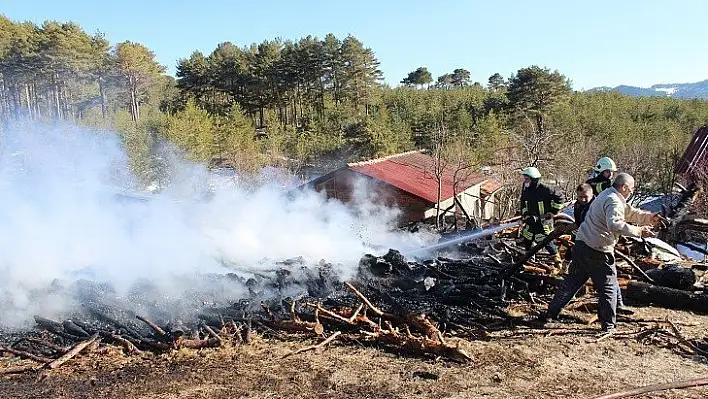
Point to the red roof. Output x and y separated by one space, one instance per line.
695 154
414 172
490 187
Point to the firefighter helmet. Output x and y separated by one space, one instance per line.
604 164
531 172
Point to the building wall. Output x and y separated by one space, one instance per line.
348 186
472 203
470 200
490 201
432 210
352 187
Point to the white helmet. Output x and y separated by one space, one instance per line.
531 172
605 163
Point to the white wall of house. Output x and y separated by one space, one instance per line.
470 200
488 211
443 205
472 203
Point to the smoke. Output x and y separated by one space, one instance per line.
69 211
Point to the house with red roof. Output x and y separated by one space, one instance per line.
408 182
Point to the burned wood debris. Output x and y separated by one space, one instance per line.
422 307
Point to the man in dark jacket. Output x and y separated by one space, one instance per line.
584 198
604 170
538 205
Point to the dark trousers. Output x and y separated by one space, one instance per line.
551 247
569 258
600 268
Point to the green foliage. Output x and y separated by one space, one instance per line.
292 102
235 142
138 142
383 136
193 129
420 77
460 77
496 82
136 64
537 89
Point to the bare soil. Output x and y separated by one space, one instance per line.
541 366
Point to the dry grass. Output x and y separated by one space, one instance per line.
568 366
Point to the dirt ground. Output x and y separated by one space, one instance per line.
540 366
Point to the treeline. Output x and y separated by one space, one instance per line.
57 70
295 79
313 100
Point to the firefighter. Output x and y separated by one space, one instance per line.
538 205
603 175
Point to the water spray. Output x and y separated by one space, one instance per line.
467 237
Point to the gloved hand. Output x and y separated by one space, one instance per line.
530 219
659 221
647 232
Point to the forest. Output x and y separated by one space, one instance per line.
309 103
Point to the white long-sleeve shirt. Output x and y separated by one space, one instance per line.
609 217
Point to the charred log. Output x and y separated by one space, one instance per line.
648 294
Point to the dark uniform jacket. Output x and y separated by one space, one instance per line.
579 211
599 183
538 200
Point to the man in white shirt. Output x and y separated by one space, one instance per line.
606 220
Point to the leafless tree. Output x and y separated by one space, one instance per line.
461 159
439 165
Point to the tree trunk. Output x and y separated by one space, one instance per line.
335 86
18 98
57 104
69 104
3 110
322 97
539 124
7 96
137 106
299 100
439 169
293 114
278 98
438 177
133 114
37 108
102 93
29 103
134 111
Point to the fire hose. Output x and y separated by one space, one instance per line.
566 224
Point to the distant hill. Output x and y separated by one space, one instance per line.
674 90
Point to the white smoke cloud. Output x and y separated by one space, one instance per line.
61 220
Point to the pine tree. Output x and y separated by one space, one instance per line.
136 63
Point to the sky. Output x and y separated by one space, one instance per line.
593 43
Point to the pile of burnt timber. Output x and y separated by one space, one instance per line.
52 343
421 308
407 307
412 308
